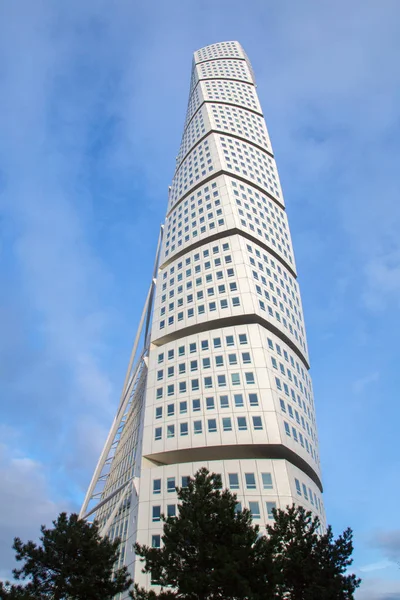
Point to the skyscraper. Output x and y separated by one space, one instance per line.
219 370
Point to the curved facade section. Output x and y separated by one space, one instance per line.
225 382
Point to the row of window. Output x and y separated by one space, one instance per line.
210 404
218 342
201 310
199 280
221 289
309 495
193 365
212 426
208 383
298 437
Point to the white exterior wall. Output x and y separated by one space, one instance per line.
227 381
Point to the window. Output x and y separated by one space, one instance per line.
181 350
257 423
197 427
156 513
170 389
232 359
238 507
254 509
171 510
161 357
305 491
233 481
210 403
217 342
298 487
156 541
287 428
235 378
270 507
212 425
156 486
170 354
192 347
238 400
185 480
195 385
160 375
208 382
224 401
267 481
227 424
224 303
246 358
193 365
249 378
219 361
159 393
170 484
183 407
196 405
170 410
170 431
242 424
182 368
184 429
253 399
230 340
158 433
250 481
158 412
236 301
221 380
242 339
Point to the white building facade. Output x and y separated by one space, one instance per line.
221 379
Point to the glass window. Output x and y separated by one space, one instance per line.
270 507
192 347
217 342
287 428
242 424
246 358
298 487
197 427
185 480
193 365
210 403
257 423
156 486
224 303
267 481
159 393
183 407
184 429
206 363
195 385
161 357
232 359
170 389
196 405
249 378
219 361
182 368
233 481
227 424
204 345
221 380
305 491
253 399
158 433
170 410
156 541
235 378
238 400
212 425
250 481
208 382
158 412
170 354
170 484
156 513
170 431
171 510
254 509
224 401
230 340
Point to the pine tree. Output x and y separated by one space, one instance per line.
72 562
306 565
210 550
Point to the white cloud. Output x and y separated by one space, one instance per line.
359 385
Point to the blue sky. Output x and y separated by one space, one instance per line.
92 104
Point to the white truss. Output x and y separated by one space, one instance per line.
109 490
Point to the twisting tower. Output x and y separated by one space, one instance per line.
218 375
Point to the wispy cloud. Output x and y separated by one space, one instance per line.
359 385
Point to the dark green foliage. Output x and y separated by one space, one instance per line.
72 562
210 550
308 566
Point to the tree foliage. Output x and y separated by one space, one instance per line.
72 562
212 551
209 551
